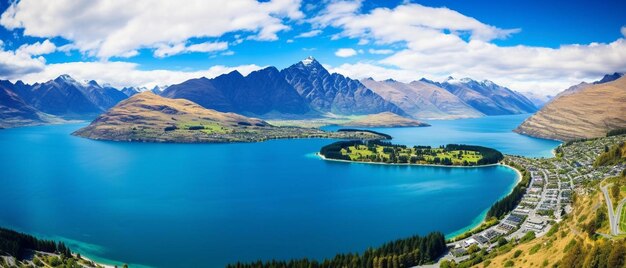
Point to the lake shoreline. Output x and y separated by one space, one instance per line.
469 229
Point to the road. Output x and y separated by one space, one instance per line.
620 206
609 204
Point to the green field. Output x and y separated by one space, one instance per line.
207 127
622 223
411 154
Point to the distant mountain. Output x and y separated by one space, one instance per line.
261 92
130 91
586 113
62 96
385 119
14 111
537 99
334 93
487 97
104 97
608 78
575 88
422 100
67 98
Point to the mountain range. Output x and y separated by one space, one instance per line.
303 90
422 100
486 96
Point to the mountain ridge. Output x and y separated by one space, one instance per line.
587 113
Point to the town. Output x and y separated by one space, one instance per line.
548 197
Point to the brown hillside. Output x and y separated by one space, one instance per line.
590 112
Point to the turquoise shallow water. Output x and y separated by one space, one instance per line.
205 205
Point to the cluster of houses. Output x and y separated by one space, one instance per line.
549 194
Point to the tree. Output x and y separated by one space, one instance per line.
617 255
615 191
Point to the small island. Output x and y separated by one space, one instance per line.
378 151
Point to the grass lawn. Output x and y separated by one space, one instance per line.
209 127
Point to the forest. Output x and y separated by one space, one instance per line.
408 252
385 152
18 244
611 156
509 202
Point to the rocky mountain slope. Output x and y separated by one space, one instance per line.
14 111
261 92
68 98
422 100
589 112
487 97
334 93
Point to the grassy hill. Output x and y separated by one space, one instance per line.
587 113
151 118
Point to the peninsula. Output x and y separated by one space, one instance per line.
150 118
377 151
385 119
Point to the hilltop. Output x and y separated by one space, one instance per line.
148 117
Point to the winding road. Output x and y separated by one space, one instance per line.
620 207
614 218
609 204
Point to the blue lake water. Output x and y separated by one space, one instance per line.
205 205
490 131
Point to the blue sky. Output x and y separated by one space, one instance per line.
539 46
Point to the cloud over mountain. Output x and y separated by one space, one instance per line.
437 42
106 29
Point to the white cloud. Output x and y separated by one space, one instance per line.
438 42
120 74
38 48
107 28
309 34
170 50
380 51
17 63
345 52
623 30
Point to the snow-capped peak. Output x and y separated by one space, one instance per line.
308 60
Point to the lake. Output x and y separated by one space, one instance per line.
192 205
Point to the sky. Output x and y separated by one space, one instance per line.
530 46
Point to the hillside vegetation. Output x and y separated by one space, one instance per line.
412 251
611 156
